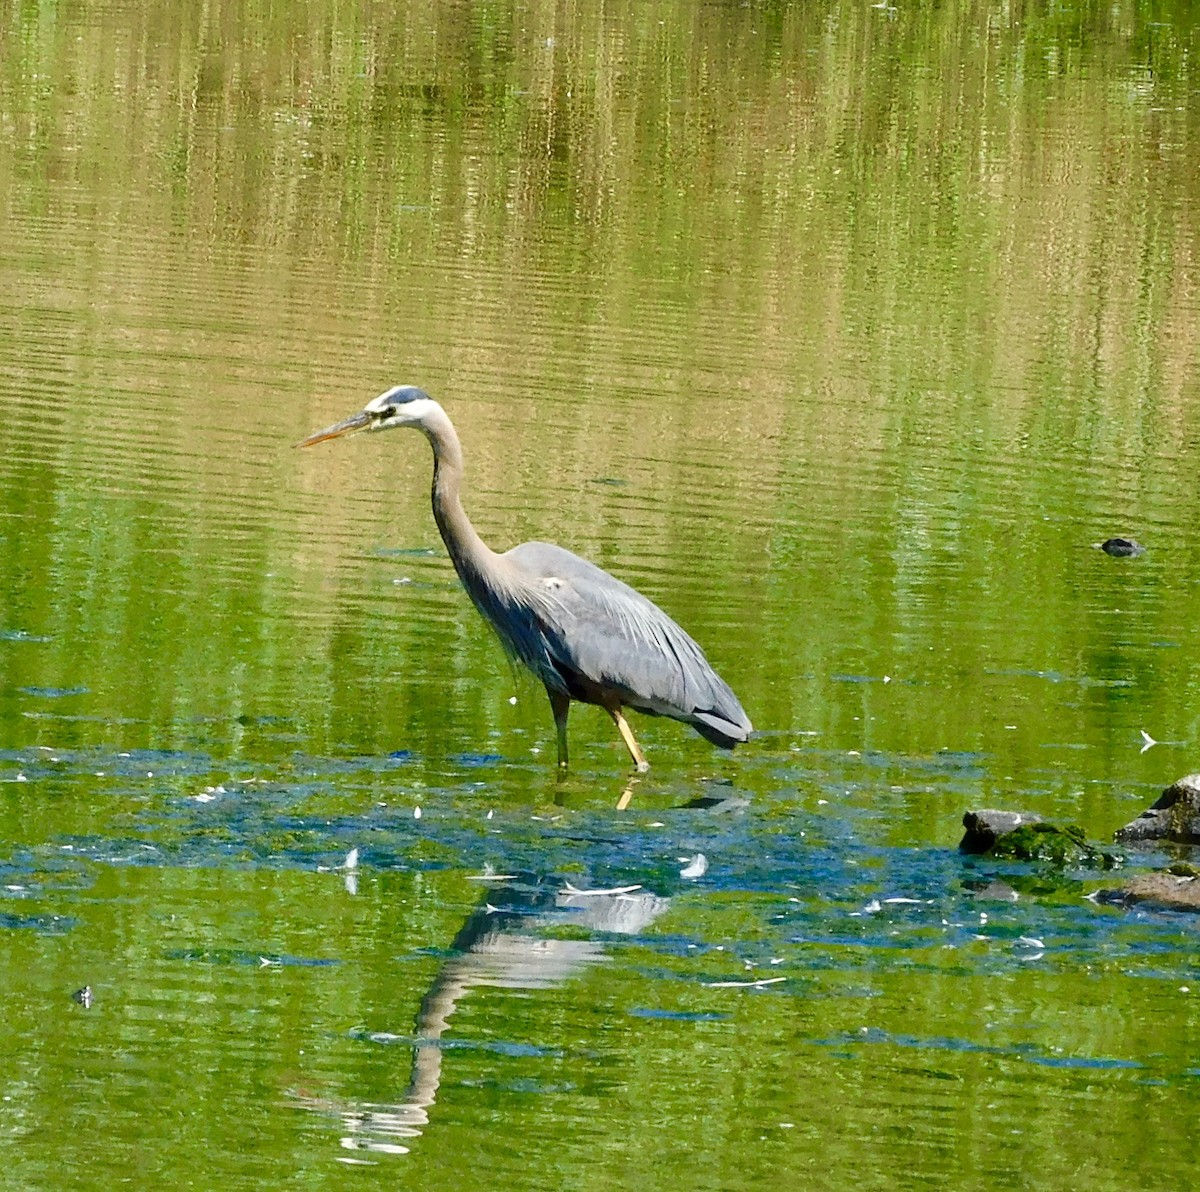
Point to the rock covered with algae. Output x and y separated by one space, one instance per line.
1023 836
1059 844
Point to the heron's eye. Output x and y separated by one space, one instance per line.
386 412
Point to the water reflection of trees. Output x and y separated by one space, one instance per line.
929 272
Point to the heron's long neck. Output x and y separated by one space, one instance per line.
471 556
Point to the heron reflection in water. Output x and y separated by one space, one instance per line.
586 635
504 944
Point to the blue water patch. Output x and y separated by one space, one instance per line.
793 888
523 1085
1079 1061
1053 676
42 924
848 1041
88 764
53 692
679 1015
475 760
21 635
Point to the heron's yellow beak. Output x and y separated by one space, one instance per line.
347 426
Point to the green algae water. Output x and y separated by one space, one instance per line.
844 332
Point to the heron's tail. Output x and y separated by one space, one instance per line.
721 727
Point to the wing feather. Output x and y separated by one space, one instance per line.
582 627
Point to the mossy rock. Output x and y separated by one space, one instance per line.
1056 844
1183 869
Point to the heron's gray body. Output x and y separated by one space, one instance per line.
585 634
589 636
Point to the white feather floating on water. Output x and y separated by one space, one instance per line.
350 863
574 892
744 984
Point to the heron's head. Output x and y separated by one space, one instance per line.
402 405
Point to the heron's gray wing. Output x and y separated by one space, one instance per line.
597 632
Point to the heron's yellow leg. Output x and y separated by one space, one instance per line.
635 752
627 794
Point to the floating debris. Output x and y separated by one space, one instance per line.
1121 548
696 866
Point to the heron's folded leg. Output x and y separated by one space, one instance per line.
639 758
560 704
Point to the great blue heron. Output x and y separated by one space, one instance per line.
586 635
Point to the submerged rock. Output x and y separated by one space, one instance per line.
1121 548
993 891
1168 889
1022 836
1175 816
